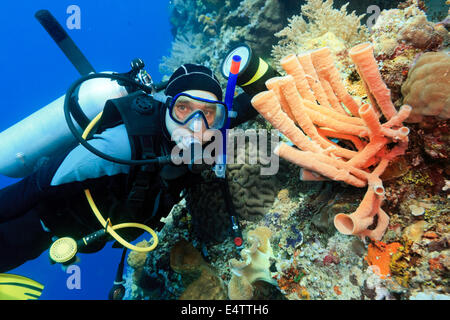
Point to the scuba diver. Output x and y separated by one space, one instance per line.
51 203
123 158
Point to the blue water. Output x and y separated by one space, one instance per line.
35 72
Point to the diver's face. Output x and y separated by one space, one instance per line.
185 106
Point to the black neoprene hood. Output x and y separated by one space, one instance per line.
193 77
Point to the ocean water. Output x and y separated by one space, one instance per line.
35 72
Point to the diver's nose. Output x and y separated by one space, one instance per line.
196 124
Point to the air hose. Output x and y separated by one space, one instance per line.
82 141
64 249
111 229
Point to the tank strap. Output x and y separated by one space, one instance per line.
141 116
142 177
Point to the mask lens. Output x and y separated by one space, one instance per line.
185 107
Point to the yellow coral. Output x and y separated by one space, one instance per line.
324 22
399 265
417 178
135 259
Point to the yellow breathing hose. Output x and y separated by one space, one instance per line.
107 224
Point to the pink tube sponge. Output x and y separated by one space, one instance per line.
305 98
427 89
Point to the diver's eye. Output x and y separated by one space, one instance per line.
181 108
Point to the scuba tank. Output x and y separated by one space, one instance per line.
45 132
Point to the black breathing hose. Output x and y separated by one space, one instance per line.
83 142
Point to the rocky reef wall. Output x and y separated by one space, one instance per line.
308 258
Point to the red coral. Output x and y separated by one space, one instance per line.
435 264
331 258
436 140
398 51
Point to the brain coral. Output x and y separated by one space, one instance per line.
200 280
427 88
252 195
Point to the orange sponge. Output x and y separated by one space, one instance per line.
379 255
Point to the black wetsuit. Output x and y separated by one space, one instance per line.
32 211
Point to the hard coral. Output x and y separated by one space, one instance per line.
252 194
198 277
385 32
136 259
184 258
421 34
187 261
395 70
207 287
427 88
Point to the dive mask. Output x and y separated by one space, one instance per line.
186 109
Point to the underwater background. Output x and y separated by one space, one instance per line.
36 72
300 253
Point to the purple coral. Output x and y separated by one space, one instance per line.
273 220
296 240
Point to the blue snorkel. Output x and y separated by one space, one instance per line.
220 167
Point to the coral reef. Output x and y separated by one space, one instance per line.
400 36
219 26
254 266
293 98
252 194
200 280
427 88
319 25
309 259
